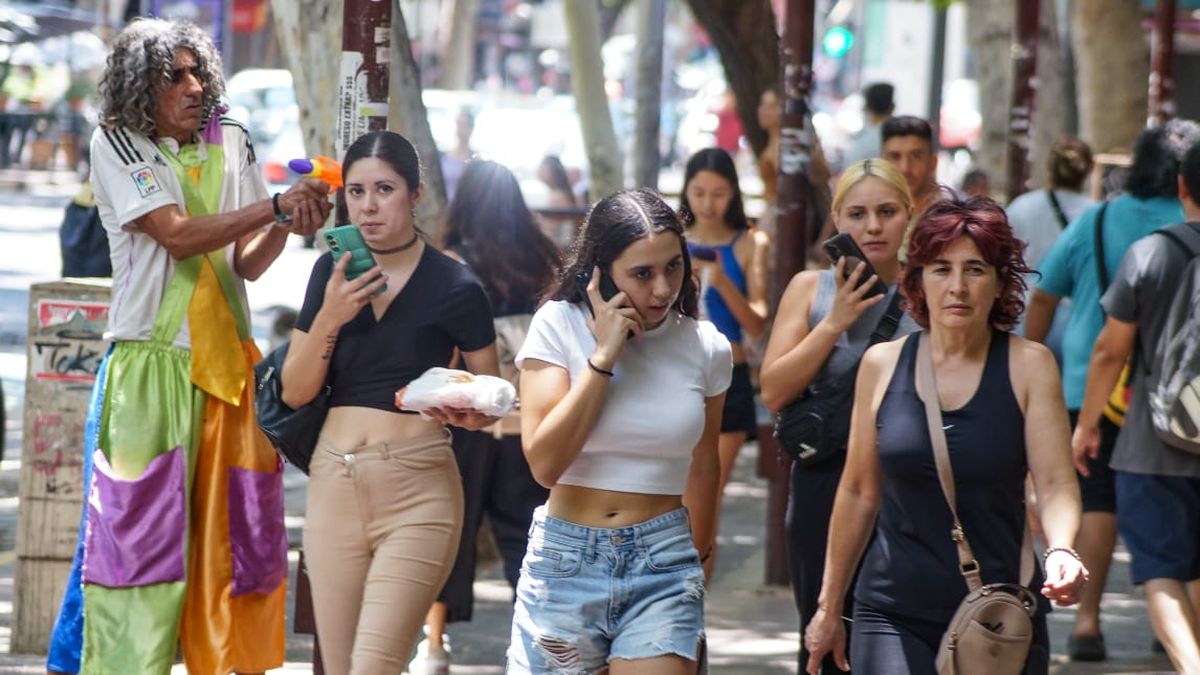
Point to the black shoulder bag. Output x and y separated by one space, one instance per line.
816 426
293 432
1063 221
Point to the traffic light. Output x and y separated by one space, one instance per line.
837 41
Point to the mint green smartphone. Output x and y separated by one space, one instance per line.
347 239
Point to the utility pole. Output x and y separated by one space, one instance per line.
795 144
1162 64
362 77
1020 115
791 240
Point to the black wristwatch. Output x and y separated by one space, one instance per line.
281 218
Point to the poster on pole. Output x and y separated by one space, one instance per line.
356 104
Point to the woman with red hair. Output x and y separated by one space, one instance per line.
1003 416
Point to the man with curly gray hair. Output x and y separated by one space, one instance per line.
182 539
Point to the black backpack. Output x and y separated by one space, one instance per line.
1173 381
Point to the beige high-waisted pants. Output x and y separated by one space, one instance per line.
380 536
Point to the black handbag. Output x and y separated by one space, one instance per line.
816 426
293 432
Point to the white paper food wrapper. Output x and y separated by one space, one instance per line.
449 388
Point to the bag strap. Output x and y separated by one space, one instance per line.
889 322
1063 221
968 565
1101 271
1172 234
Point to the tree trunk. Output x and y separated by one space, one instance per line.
744 34
1021 97
651 17
591 101
1162 64
310 35
1051 112
1113 67
458 44
407 116
990 26
989 32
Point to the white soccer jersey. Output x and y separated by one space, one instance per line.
131 178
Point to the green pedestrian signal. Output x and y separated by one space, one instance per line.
838 40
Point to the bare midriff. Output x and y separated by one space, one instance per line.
593 507
353 426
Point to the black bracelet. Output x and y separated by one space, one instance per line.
280 216
707 554
598 369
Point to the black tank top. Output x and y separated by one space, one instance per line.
911 566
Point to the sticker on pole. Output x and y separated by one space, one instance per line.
352 94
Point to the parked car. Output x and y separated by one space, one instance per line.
264 100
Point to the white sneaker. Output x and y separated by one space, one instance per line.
431 660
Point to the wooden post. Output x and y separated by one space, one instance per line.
64 349
791 238
1020 115
1162 64
776 468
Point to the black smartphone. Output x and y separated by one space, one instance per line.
842 245
702 252
608 290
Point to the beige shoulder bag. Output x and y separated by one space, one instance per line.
993 627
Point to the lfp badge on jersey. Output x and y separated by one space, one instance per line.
144 180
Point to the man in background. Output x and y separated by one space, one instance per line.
878 105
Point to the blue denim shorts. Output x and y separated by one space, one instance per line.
589 595
1159 521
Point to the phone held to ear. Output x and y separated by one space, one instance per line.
608 290
347 239
842 245
702 252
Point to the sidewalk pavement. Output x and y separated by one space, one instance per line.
752 629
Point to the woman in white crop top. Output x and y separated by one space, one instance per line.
620 413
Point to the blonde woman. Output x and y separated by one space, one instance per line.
823 326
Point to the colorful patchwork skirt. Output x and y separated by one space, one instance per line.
182 540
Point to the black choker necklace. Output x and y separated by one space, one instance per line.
402 247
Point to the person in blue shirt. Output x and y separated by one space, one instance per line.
732 264
1071 270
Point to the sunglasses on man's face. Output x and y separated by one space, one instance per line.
177 74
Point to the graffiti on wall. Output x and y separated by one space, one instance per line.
68 341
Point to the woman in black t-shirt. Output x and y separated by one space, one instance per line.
385 499
489 227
